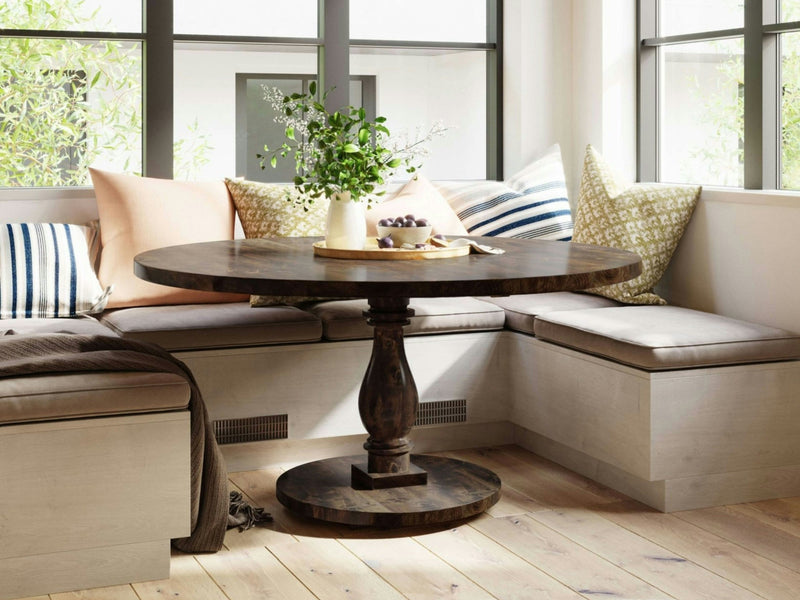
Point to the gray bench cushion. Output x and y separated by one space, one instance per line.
667 337
84 325
193 326
344 319
523 308
80 395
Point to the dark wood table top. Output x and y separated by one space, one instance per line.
288 267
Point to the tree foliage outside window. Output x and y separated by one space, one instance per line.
67 104
727 118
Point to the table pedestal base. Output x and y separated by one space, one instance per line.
322 490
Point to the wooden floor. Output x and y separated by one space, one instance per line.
553 535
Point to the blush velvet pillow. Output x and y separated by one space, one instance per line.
142 213
420 198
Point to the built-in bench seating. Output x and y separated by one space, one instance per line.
95 473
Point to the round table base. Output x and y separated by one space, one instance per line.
455 490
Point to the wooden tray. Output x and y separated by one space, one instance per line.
372 252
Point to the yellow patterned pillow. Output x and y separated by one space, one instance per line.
264 211
646 218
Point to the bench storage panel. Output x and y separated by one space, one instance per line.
675 440
91 502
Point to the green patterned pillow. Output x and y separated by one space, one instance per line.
646 218
264 211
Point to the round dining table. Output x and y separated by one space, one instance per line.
388 486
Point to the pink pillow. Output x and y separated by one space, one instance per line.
419 198
142 213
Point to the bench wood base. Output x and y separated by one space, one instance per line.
91 502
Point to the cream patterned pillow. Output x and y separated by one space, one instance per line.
265 211
645 218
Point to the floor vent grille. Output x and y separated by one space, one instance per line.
442 411
251 429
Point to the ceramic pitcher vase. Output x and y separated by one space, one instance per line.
346 227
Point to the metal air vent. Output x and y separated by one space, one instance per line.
442 411
251 429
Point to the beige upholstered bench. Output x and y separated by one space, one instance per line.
95 475
676 407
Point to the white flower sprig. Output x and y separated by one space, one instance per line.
341 151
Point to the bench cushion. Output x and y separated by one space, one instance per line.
666 337
344 319
81 395
523 308
198 326
84 325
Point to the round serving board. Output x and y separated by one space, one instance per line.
372 252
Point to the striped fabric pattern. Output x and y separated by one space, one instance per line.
531 204
45 272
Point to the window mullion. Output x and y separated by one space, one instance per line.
648 91
334 54
494 90
753 95
157 89
771 97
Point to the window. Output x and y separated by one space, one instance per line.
255 125
719 89
162 79
68 102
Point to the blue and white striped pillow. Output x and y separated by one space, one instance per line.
531 204
45 272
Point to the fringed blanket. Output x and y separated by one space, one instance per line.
70 353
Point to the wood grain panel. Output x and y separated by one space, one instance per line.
136 466
83 568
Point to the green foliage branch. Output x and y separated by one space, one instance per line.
338 152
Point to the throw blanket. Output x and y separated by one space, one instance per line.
61 353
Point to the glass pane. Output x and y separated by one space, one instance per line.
66 105
263 18
416 89
702 118
790 111
72 15
790 10
212 128
687 16
443 20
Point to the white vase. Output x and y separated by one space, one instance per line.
346 227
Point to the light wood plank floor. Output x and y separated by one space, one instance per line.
553 535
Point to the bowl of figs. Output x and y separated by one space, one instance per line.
406 229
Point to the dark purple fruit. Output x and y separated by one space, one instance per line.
422 222
385 222
409 223
385 242
396 224
410 218
438 236
420 245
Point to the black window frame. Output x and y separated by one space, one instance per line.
762 84
158 42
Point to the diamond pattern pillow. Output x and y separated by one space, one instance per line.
265 211
531 204
645 218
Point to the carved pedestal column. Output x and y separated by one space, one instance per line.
388 401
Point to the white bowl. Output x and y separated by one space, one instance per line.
405 235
